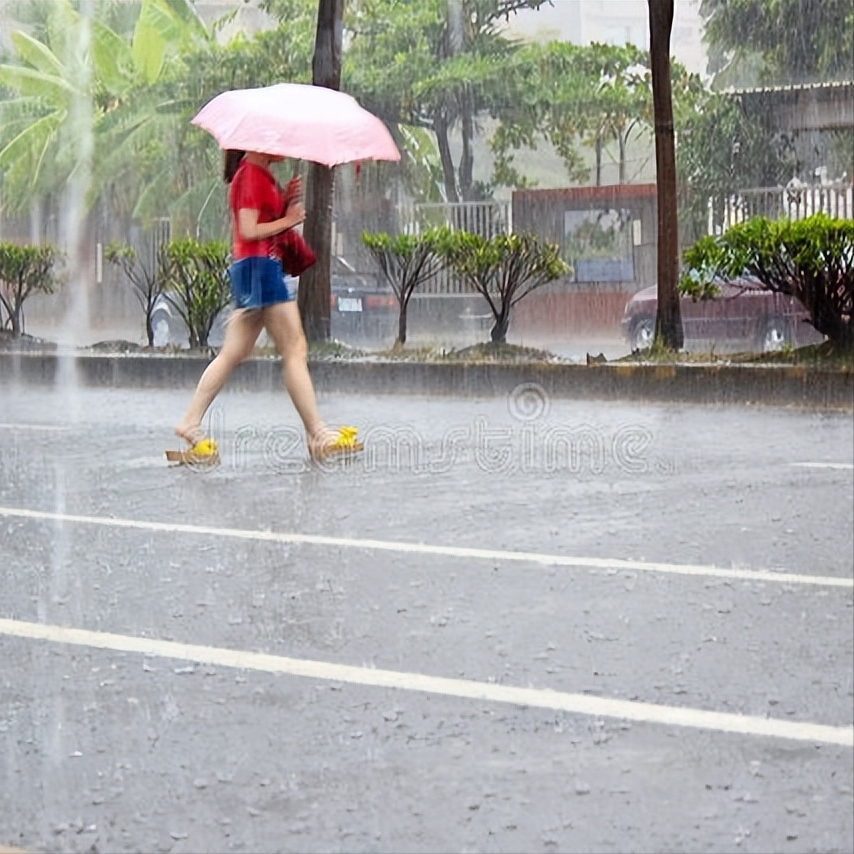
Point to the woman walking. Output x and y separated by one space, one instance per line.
263 299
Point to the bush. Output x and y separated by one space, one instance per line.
406 261
24 270
504 269
811 259
195 281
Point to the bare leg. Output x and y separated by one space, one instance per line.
284 326
241 333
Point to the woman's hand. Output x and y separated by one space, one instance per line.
293 191
251 229
295 215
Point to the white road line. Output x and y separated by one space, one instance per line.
50 428
841 466
582 704
764 575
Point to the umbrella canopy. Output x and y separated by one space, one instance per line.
299 121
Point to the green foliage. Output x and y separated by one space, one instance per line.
195 281
68 79
503 269
40 140
407 261
135 76
575 97
146 166
434 65
24 270
720 152
779 41
811 259
706 261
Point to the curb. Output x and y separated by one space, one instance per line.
794 386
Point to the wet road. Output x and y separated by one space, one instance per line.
513 624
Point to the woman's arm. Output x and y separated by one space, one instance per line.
251 229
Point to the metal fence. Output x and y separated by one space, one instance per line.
486 219
795 201
154 240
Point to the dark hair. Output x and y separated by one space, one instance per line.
231 160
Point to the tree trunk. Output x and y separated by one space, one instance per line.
598 160
501 328
315 288
622 140
315 291
17 326
467 158
669 321
401 326
440 128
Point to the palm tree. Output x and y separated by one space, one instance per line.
89 94
47 125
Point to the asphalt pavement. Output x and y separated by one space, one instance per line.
514 623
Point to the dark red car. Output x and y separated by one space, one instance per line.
744 316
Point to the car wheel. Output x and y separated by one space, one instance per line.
775 335
162 326
643 333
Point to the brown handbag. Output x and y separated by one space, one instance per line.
297 255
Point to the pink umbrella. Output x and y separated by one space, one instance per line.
299 121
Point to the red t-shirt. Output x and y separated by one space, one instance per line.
255 188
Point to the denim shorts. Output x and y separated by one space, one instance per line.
258 281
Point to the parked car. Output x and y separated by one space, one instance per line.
360 310
170 329
744 315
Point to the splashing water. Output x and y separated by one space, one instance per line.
61 589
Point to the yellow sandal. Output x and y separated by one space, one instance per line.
345 442
205 452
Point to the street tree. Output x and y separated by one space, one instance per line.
811 259
315 284
406 262
720 152
25 270
64 113
195 282
668 325
577 98
622 99
779 42
503 269
546 96
436 65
